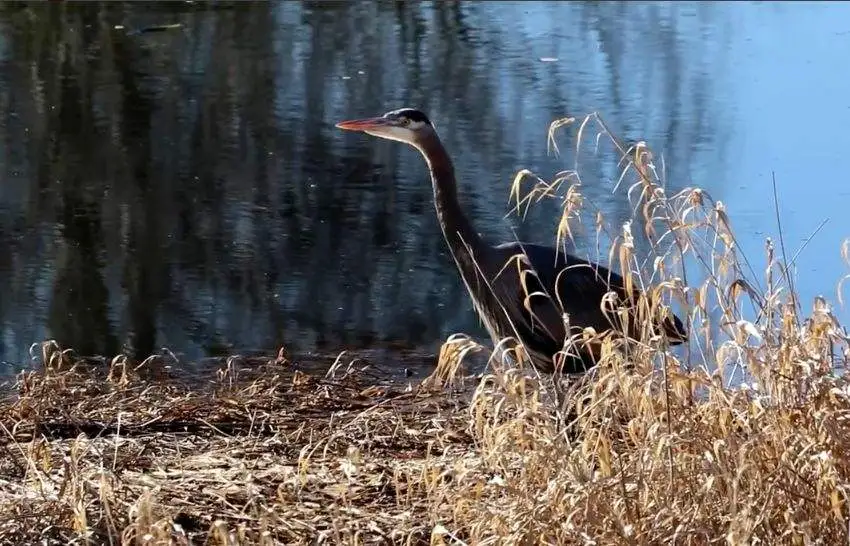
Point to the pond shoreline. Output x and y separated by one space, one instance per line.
259 452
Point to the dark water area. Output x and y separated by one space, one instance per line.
185 187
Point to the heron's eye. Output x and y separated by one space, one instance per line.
404 121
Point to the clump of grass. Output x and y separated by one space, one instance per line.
743 438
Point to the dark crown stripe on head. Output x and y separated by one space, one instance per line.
411 114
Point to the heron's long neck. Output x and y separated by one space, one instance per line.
457 228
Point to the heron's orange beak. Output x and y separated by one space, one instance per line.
363 124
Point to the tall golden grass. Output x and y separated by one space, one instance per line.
742 439
739 438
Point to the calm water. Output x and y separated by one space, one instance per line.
186 188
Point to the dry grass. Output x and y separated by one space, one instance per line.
664 450
260 454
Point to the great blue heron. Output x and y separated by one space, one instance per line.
528 303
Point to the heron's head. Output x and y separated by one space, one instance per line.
404 125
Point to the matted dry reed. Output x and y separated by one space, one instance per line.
740 438
256 453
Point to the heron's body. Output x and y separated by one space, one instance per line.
521 291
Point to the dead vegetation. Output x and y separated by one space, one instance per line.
258 454
742 437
